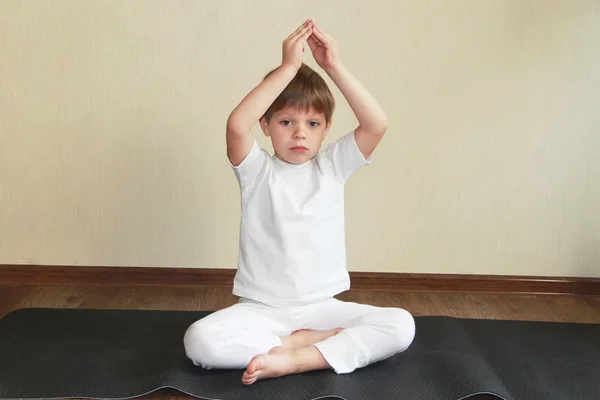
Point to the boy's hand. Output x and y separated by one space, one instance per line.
372 121
324 48
293 46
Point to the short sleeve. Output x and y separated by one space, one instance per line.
251 166
345 157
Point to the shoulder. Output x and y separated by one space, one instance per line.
252 166
343 157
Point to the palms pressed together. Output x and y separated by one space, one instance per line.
323 47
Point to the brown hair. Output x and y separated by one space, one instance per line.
306 90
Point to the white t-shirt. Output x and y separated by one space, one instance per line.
292 234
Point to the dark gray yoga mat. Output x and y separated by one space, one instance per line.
62 353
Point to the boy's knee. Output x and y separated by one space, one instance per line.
403 326
199 341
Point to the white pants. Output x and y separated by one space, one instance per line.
229 338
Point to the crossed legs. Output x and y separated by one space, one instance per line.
269 342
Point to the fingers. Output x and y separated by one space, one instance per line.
300 35
309 30
318 29
306 32
300 30
312 43
302 26
315 39
319 34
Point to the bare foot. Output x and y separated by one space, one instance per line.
283 361
306 337
269 366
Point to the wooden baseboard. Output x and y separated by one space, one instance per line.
11 275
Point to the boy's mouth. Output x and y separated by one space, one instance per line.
299 148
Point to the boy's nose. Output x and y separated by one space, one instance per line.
299 134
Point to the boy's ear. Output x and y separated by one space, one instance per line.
265 127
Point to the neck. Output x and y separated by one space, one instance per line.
286 164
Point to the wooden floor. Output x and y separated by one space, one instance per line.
558 308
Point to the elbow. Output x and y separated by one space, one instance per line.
380 127
375 129
233 127
231 123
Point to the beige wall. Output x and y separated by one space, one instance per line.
112 121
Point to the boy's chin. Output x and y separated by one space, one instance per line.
296 158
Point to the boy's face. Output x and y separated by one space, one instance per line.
296 135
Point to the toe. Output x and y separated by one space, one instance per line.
248 379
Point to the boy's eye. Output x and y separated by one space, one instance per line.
314 124
285 122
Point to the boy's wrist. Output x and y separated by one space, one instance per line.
288 69
334 69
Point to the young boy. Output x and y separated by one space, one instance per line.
292 259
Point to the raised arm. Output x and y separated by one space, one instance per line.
372 120
257 102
